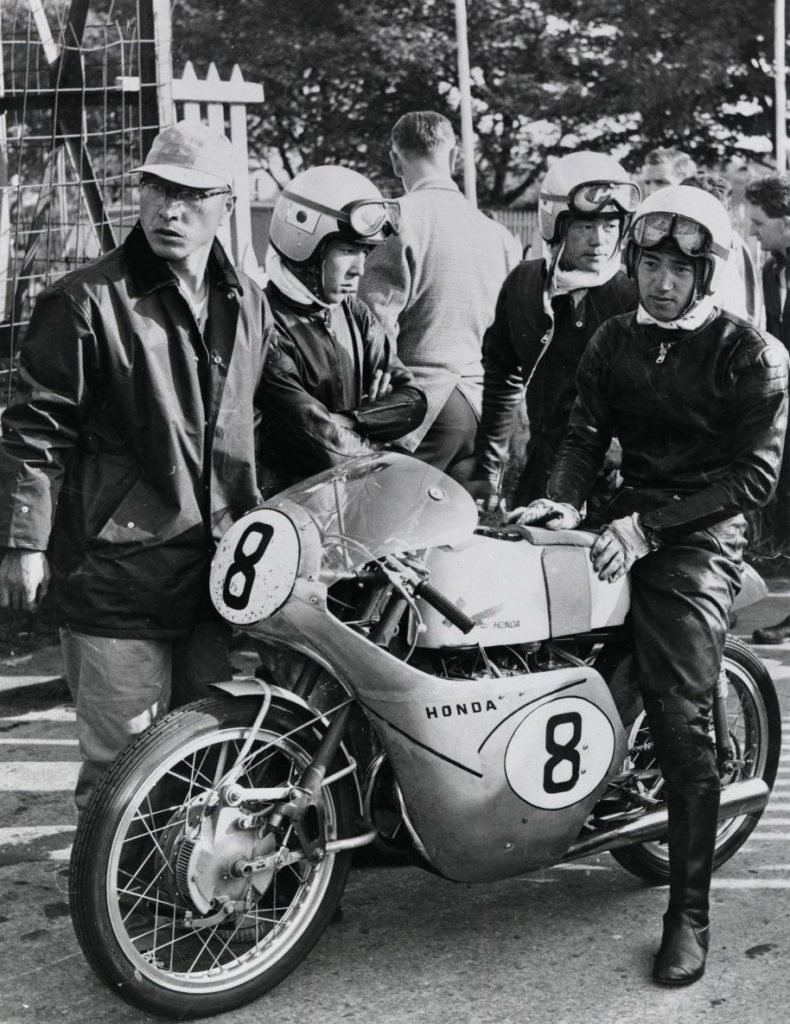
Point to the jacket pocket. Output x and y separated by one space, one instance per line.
144 519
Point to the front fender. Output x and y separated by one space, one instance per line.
251 686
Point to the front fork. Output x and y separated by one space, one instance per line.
306 793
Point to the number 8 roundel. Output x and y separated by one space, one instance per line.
559 753
255 567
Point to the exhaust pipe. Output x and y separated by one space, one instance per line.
747 797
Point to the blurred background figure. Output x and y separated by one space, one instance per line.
664 167
434 287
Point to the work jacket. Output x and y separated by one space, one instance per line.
516 353
700 415
131 448
311 376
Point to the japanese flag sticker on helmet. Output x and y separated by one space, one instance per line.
300 216
255 566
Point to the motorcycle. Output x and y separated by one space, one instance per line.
460 695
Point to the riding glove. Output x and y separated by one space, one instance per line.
621 543
554 515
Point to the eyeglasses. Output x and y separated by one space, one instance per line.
158 193
593 196
691 237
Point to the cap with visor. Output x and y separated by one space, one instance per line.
192 155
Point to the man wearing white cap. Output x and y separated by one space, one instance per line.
131 448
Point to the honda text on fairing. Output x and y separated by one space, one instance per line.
460 696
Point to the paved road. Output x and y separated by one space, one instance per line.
567 945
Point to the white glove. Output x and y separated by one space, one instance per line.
554 515
620 544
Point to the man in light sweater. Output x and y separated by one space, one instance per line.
434 287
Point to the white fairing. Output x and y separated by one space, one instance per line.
521 591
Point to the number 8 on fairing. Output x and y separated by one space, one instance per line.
255 566
562 753
243 565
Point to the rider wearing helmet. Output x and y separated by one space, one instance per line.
698 400
547 311
333 385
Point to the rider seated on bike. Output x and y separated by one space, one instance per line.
698 400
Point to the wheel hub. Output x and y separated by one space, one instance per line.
204 862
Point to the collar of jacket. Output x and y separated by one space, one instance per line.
442 183
149 271
314 309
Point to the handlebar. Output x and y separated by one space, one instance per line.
444 606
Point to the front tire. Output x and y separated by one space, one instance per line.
755 727
137 873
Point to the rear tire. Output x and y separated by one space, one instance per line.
756 733
136 862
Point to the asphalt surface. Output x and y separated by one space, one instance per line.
568 945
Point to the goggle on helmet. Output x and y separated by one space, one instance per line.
368 220
584 184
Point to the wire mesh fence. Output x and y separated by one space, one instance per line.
74 118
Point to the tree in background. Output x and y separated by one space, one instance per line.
617 75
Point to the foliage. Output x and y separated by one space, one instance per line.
617 75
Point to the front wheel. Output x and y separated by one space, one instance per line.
156 853
755 729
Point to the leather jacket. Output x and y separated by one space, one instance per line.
310 380
700 415
512 351
135 433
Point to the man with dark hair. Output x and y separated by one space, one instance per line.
768 209
434 287
664 167
698 399
546 313
131 449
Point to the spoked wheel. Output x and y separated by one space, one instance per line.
755 734
161 906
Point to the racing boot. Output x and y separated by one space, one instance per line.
693 810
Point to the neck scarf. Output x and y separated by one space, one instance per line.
690 321
290 285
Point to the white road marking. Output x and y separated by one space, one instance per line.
750 883
769 837
28 833
62 714
20 742
38 776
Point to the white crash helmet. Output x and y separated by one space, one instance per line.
583 184
694 220
329 202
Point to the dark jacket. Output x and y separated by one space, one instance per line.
146 430
512 350
701 429
309 378
777 317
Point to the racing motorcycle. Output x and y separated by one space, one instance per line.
463 696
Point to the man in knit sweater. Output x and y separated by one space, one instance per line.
434 287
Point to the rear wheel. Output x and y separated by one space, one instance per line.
154 854
755 732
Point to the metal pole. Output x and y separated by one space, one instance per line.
780 92
464 87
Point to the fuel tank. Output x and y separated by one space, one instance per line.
520 587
